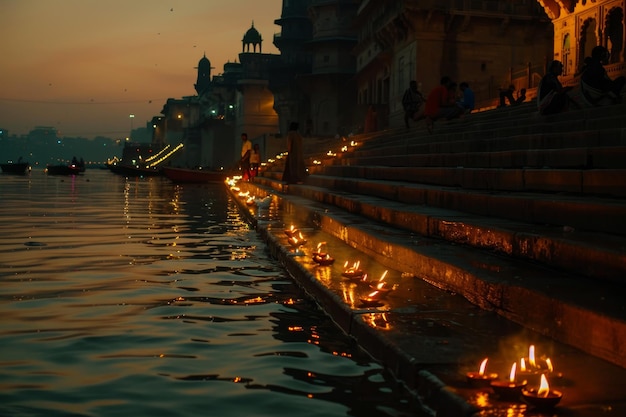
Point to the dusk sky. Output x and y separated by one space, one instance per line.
83 66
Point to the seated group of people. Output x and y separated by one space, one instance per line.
442 102
596 87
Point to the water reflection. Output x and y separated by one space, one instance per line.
139 297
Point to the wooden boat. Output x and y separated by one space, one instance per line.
135 171
19 168
64 169
193 175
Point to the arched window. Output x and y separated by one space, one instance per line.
614 33
567 62
588 40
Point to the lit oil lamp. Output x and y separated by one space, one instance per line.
542 398
531 368
250 201
372 299
382 286
509 390
352 272
297 240
318 251
323 259
481 378
291 231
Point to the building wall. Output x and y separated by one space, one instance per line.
484 43
589 24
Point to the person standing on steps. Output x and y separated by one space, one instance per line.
295 169
255 160
412 101
246 150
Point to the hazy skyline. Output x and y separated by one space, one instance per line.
83 66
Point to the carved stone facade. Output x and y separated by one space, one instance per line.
579 25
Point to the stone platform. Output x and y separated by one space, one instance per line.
502 230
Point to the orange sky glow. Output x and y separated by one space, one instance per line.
83 66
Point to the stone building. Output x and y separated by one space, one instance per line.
255 113
579 25
489 44
290 101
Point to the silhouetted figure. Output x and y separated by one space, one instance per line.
412 101
441 103
468 99
255 160
521 97
596 86
507 95
244 163
295 170
552 96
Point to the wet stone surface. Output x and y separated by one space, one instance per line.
444 333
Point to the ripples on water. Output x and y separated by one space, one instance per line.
138 297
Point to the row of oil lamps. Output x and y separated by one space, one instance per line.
516 386
352 272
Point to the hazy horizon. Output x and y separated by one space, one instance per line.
83 67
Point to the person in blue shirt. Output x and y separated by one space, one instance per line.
468 100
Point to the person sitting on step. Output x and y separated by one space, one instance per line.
552 96
596 86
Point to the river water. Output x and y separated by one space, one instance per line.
138 297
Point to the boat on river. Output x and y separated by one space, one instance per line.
197 175
135 170
18 167
64 169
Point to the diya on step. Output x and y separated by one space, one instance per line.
542 398
481 378
510 389
353 272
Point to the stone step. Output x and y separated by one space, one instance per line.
415 145
593 182
561 244
573 309
427 156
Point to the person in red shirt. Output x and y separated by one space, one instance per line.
440 103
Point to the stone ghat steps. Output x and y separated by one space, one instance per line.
592 182
501 206
571 180
581 149
544 233
586 313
